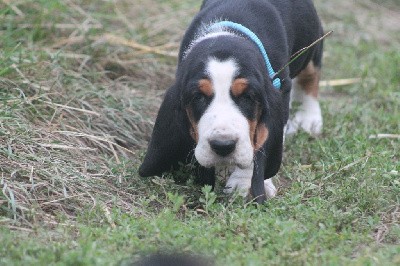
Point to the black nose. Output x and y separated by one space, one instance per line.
223 147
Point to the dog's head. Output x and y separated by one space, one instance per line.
229 105
225 94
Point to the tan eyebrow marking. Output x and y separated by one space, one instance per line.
239 86
205 87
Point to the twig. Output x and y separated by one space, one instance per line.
68 41
347 167
302 51
382 232
14 8
59 26
122 17
133 44
385 136
31 177
19 228
57 200
65 147
108 215
78 134
58 224
339 82
73 108
67 55
83 13
27 81
115 153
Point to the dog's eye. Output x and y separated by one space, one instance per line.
199 103
199 97
246 96
247 103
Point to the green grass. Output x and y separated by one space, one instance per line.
70 193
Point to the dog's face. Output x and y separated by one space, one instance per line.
223 98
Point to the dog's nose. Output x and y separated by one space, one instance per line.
223 147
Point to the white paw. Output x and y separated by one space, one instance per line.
270 189
309 122
308 118
240 181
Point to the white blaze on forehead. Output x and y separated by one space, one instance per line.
222 75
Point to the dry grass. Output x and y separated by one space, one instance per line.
76 115
61 144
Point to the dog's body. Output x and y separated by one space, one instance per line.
224 107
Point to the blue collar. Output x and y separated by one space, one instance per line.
236 26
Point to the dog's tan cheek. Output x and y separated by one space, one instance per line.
193 131
261 136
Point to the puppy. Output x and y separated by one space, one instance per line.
228 106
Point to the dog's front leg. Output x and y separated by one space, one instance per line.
250 181
240 181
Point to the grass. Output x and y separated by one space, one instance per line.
76 112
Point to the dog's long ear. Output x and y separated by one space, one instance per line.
170 142
271 148
273 117
273 151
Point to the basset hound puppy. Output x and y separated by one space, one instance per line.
228 106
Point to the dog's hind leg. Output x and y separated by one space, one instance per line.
305 91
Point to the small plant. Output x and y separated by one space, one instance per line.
176 200
208 199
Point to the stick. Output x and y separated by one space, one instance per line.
346 167
65 198
73 108
339 82
14 8
65 147
385 136
59 26
77 134
302 51
132 44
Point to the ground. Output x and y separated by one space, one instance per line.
80 85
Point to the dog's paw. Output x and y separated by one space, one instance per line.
308 118
270 189
308 121
240 181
